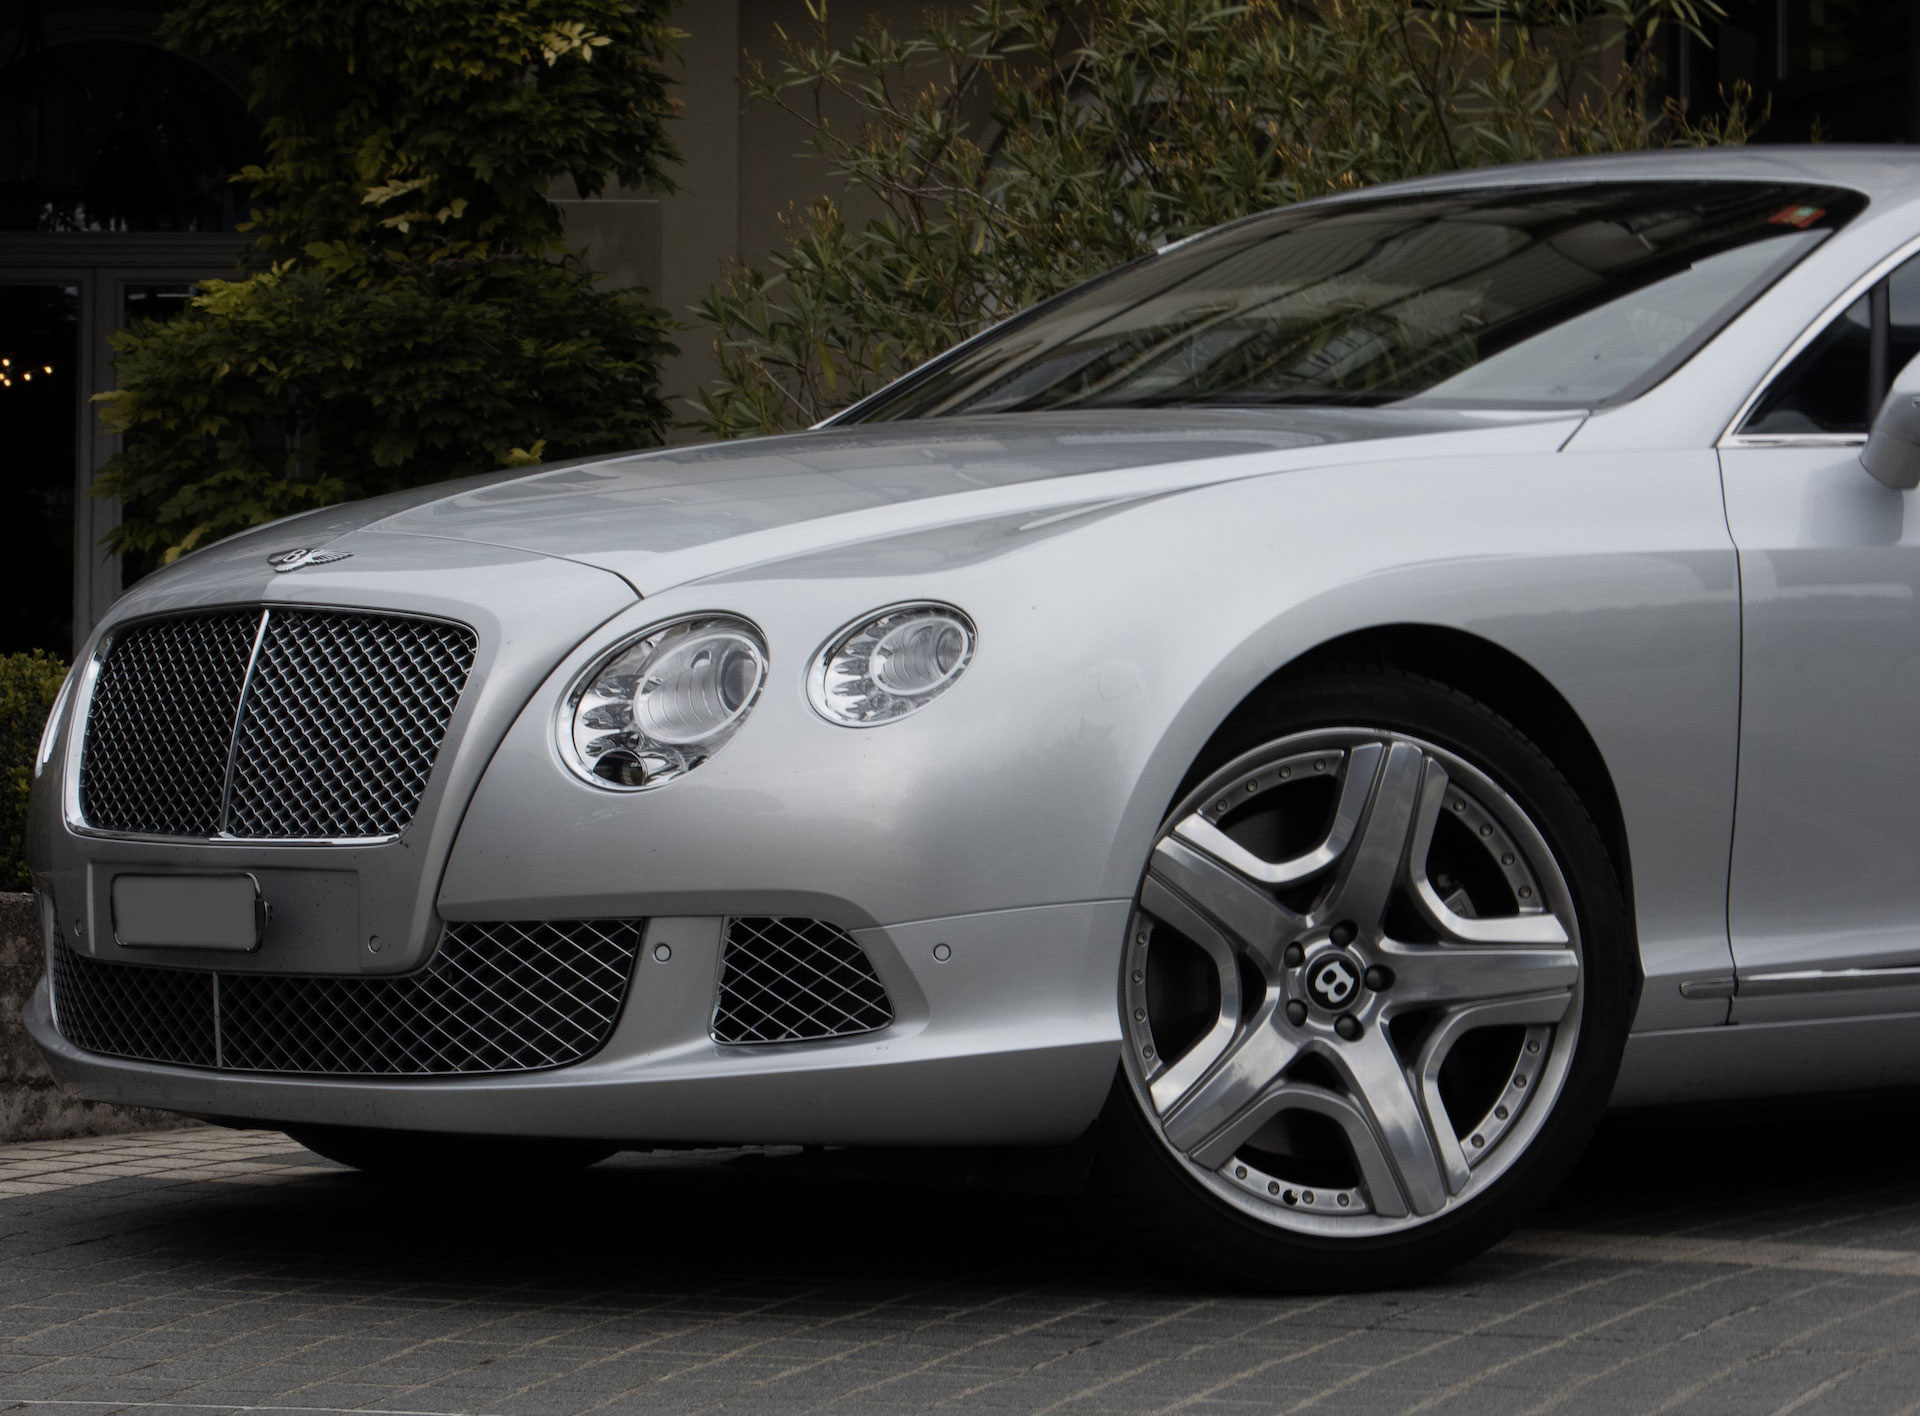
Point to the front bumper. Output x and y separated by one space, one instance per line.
965 827
1010 1039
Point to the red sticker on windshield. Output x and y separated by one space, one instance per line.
1801 216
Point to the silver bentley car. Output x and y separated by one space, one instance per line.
1300 724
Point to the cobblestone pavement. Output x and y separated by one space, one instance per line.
1769 1264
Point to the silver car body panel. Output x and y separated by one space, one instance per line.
1823 868
1134 576
663 518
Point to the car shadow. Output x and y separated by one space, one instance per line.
687 1220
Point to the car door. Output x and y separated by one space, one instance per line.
1824 897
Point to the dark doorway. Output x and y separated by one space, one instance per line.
39 426
1837 71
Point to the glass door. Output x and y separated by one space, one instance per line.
41 411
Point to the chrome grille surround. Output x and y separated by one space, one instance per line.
494 998
272 724
795 980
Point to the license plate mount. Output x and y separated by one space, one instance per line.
225 913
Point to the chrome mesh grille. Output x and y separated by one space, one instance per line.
161 726
344 716
494 998
795 980
127 1010
270 725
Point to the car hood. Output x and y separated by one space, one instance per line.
662 518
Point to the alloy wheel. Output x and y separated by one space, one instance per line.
1352 984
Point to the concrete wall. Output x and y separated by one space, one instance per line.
33 1107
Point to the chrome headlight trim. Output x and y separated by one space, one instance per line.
709 670
50 734
847 683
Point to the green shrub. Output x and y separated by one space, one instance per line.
1008 151
410 312
28 685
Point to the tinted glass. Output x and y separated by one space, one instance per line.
1826 389
1833 386
1529 297
1903 315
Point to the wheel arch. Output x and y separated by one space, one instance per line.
1504 682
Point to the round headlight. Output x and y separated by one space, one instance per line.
663 703
891 664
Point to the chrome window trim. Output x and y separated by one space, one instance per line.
1794 440
1731 437
82 706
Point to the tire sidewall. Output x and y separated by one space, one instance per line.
1269 1256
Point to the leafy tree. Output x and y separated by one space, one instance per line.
1004 153
410 312
28 685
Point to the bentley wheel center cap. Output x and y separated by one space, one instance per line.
1333 980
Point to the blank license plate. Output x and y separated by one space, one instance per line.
188 912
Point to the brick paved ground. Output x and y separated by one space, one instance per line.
1769 1266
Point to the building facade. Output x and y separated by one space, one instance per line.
114 154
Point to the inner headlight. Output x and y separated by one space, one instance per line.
891 664
663 703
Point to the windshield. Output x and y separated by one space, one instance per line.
1521 297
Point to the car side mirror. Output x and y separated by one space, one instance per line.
1892 453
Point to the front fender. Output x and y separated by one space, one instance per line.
1114 640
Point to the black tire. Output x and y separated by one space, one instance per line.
422 1153
1161 1199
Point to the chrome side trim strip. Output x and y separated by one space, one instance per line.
1721 986
1782 982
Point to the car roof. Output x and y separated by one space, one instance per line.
1884 173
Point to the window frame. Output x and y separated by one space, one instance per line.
1871 286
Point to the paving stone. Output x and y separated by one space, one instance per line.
202 1270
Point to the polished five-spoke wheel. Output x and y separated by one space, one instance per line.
1356 986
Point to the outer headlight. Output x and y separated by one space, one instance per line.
890 664
663 702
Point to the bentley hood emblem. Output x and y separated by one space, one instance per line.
284 561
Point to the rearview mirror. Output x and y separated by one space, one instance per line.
1892 453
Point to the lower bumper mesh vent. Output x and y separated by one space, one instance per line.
795 980
494 998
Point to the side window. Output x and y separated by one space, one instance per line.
1903 319
1827 388
1837 382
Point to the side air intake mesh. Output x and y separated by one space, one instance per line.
494 998
795 980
